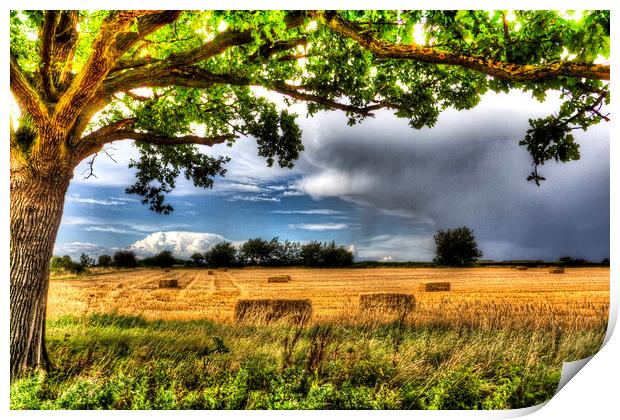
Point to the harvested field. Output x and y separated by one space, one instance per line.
294 311
388 304
478 297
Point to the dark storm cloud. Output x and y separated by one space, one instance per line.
469 170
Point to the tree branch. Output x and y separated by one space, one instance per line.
26 96
498 69
170 141
196 77
58 39
114 39
266 51
220 43
295 93
120 130
46 37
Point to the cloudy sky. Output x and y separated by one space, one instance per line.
380 187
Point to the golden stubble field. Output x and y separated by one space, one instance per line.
479 297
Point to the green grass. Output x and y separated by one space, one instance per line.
107 361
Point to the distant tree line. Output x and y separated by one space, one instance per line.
254 252
273 253
454 247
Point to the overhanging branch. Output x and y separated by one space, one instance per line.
126 134
498 69
196 77
121 130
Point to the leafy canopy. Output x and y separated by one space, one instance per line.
174 80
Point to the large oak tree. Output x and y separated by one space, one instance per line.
171 80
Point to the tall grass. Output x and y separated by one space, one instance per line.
124 362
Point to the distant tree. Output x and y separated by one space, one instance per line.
65 264
164 259
258 251
573 262
104 261
311 254
605 261
456 247
86 260
197 258
223 254
335 256
288 253
327 254
125 259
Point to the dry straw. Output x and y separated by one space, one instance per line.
434 286
171 283
387 302
296 311
279 279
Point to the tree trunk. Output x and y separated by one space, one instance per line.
37 200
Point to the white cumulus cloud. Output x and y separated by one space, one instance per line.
336 183
181 244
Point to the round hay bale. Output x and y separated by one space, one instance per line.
522 268
294 311
434 286
387 302
166 270
279 279
210 272
167 284
557 270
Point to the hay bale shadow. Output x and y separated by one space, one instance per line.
265 311
434 286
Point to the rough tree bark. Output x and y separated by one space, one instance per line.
37 200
